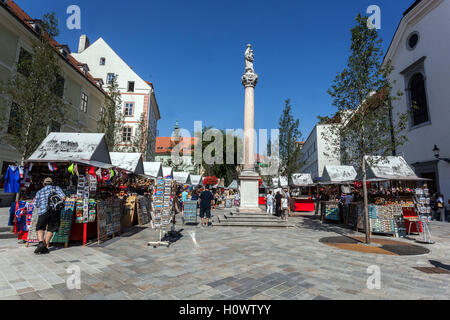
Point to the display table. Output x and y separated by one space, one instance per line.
305 204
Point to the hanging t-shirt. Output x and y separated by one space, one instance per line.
12 180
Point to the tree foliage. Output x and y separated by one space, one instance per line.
32 99
289 148
111 116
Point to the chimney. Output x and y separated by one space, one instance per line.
83 44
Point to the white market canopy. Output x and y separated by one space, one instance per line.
182 177
88 148
338 174
284 182
153 169
196 180
302 180
131 162
388 168
234 185
167 171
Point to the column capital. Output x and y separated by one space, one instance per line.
250 79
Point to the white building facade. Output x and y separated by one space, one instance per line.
419 53
318 152
138 96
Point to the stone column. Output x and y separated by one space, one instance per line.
249 178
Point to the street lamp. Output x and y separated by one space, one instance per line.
436 151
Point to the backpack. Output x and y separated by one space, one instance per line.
55 202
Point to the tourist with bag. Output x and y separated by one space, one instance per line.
50 202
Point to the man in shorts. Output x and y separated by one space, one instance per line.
48 220
206 202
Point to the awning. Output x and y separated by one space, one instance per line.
338 174
301 180
73 147
389 168
153 169
234 185
167 172
131 162
196 180
182 177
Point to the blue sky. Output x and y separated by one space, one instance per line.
193 52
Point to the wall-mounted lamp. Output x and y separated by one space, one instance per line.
436 151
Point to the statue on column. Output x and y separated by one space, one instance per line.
249 58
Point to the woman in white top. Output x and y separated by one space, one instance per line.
284 208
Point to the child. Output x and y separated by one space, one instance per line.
284 207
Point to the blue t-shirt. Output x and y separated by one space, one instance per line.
184 196
206 197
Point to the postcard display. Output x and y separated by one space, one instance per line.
422 203
162 213
386 219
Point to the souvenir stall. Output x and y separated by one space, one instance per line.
396 199
153 169
136 187
196 181
302 193
334 179
79 163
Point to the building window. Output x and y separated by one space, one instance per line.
418 99
102 61
129 109
84 102
130 86
14 125
59 86
412 41
24 64
126 134
110 78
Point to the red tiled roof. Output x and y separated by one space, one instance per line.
26 19
149 83
165 145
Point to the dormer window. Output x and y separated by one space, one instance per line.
64 50
36 24
84 68
99 82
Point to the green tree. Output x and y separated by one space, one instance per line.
111 116
362 95
289 148
228 172
32 99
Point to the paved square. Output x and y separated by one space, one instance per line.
223 263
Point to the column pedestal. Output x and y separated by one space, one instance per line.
249 192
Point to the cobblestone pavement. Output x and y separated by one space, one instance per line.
222 263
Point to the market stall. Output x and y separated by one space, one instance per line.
80 164
136 187
196 180
302 193
335 179
167 172
396 198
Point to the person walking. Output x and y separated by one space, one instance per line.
278 198
50 201
288 197
269 203
206 203
184 197
440 207
284 207
236 199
